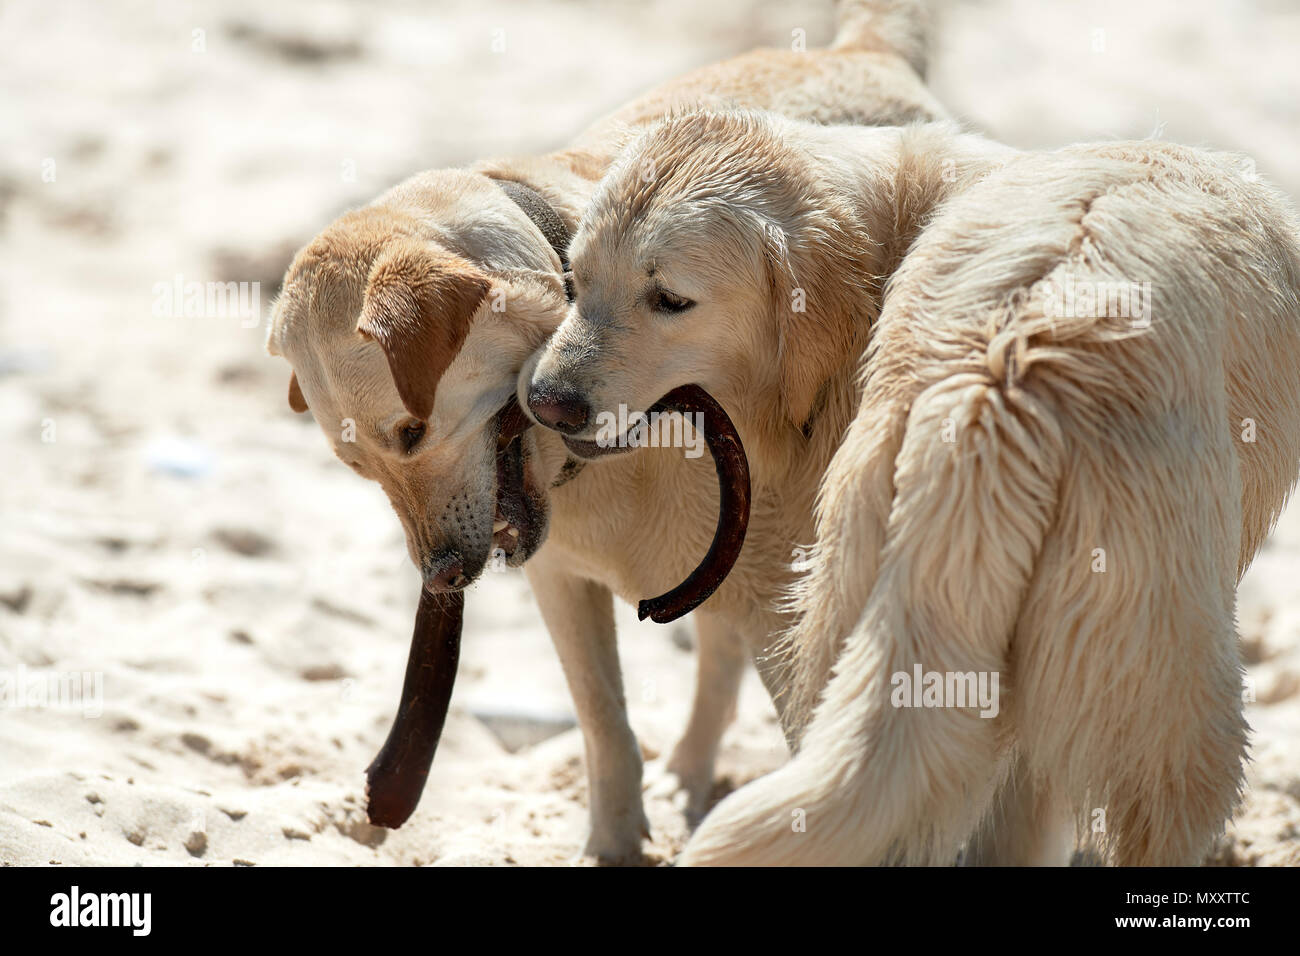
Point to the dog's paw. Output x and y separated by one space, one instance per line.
618 843
684 784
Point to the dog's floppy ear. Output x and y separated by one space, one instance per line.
815 327
418 306
296 401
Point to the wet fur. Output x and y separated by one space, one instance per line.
1121 689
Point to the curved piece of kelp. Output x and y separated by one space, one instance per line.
733 506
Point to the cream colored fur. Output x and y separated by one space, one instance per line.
631 527
997 450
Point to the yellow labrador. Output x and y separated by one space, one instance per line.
407 323
1077 418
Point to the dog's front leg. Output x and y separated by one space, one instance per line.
720 666
580 616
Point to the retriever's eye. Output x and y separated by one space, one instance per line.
411 435
661 300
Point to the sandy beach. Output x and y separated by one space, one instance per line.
204 616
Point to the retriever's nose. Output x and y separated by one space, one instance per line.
444 572
564 411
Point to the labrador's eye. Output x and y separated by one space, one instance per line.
661 300
411 435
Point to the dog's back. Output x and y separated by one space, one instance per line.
1081 417
871 75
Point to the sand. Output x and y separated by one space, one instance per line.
203 615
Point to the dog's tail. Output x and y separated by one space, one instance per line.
884 775
895 26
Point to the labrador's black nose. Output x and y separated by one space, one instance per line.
563 411
445 572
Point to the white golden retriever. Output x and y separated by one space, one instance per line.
1077 418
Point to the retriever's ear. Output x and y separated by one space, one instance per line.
296 401
418 306
816 328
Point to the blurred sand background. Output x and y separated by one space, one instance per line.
166 522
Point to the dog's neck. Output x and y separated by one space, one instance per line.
543 216
879 187
894 179
565 181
